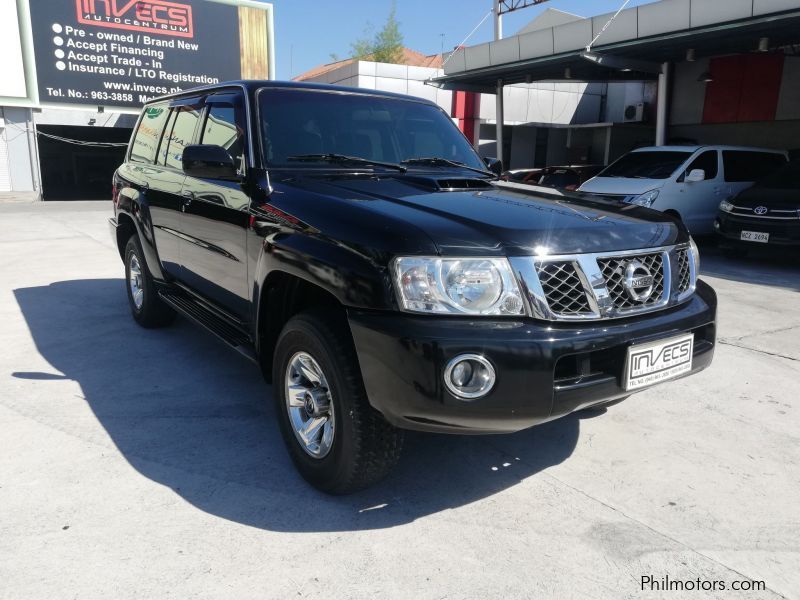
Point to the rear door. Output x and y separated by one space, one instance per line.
216 217
158 187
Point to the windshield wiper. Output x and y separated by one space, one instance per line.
436 161
344 159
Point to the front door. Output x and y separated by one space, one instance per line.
215 219
699 200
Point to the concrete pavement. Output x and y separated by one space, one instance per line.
148 464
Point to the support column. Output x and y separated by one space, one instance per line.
662 110
498 20
500 120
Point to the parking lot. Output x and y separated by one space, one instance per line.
147 463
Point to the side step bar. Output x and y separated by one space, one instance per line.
209 320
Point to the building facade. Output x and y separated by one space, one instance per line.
75 75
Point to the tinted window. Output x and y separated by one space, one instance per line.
145 142
647 165
386 129
742 165
221 128
181 135
162 147
708 161
785 178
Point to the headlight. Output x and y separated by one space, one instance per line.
645 199
695 256
726 206
471 286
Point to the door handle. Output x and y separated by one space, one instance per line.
187 199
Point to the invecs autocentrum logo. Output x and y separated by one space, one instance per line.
155 16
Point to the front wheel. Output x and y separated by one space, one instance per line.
337 441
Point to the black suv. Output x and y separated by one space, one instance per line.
767 213
354 245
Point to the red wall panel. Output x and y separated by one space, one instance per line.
724 93
744 88
761 86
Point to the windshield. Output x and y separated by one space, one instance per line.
647 165
295 123
785 178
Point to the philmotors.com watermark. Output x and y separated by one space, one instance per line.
650 583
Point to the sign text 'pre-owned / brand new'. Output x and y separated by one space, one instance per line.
156 16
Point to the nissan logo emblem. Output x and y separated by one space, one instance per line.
639 281
761 210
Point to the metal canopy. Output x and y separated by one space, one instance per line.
507 6
782 29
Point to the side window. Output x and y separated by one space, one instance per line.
145 141
223 127
182 135
707 161
162 147
742 165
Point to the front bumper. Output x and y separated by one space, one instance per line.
781 232
544 370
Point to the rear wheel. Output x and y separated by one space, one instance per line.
337 441
147 308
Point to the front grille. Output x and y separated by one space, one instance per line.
594 286
563 288
613 270
772 213
684 274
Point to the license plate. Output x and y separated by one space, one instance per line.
755 236
659 361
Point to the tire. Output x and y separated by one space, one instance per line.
147 308
362 447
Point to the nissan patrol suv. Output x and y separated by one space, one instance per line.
354 245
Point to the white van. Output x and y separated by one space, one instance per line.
688 182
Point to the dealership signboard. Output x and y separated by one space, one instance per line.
121 53
12 79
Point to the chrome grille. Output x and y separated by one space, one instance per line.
594 286
613 270
683 272
563 288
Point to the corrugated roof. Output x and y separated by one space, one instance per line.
410 57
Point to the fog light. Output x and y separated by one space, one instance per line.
469 376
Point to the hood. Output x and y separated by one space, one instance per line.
488 219
785 199
622 186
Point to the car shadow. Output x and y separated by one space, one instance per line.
771 266
190 414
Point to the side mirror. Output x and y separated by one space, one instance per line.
209 161
495 165
696 175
